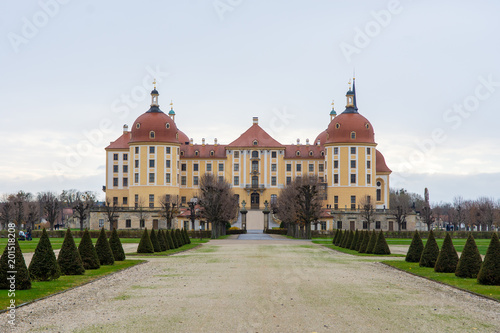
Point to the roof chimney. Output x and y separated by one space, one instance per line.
307 142
191 141
215 142
298 142
255 120
203 141
319 142
125 128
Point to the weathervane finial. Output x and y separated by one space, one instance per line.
154 83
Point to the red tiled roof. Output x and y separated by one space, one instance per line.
326 213
381 166
203 151
156 122
121 142
340 129
305 151
255 132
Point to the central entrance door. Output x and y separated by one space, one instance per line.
254 200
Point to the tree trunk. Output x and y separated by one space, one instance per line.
81 225
308 230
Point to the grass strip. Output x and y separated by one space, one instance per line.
194 243
40 290
469 285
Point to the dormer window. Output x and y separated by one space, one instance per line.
152 135
297 153
212 153
196 153
367 125
182 152
310 153
255 142
138 125
337 125
167 125
353 135
322 153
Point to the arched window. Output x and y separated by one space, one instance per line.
337 125
297 153
138 125
212 153
353 135
255 142
167 125
255 154
152 135
311 153
196 153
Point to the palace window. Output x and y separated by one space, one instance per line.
236 154
167 150
368 179
183 167
221 179
136 178
339 224
255 154
299 167
212 153
288 167
236 181
151 177
141 223
353 150
336 150
236 167
196 153
115 181
368 151
311 167
101 223
255 166
321 167
125 201
136 163
209 167
353 202
115 168
183 200
288 180
336 178
125 157
353 164
195 166
297 153
221 166
273 154
353 135
125 182
137 150
167 178
195 180
273 181
273 167
183 180
365 225
151 201
152 135
336 164
128 223
125 168
151 163
167 163
368 164
115 157
379 194
377 224
353 178
255 142
152 150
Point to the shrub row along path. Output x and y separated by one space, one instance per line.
272 285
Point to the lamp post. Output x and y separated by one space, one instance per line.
192 214
243 212
266 212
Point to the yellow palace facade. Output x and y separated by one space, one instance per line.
154 158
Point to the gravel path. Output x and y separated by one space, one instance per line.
260 286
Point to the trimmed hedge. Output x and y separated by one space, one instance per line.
154 241
490 269
360 240
447 259
22 276
430 252
104 250
162 241
43 265
145 245
270 231
354 240
180 239
69 258
381 246
416 247
170 241
174 239
470 260
371 242
364 243
90 259
116 246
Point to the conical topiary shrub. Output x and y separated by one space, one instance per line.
343 238
69 259
180 241
22 280
360 240
154 241
43 265
490 269
339 239
116 246
174 239
364 242
161 241
430 252
170 241
447 259
335 237
165 238
354 240
186 237
90 259
416 247
104 250
381 246
371 242
145 245
470 260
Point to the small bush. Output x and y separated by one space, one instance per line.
470 260
168 236
43 265
145 245
90 259
430 252
364 243
22 276
490 269
416 247
359 241
371 242
154 241
354 240
116 246
69 259
381 246
104 250
447 259
235 228
161 240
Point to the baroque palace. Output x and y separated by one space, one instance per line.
155 159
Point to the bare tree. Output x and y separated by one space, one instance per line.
367 210
141 211
169 208
51 205
426 212
6 214
285 210
218 202
459 212
487 209
110 210
82 204
33 213
400 203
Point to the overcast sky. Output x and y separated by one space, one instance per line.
427 78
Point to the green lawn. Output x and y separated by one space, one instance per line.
30 246
482 244
448 278
42 289
194 243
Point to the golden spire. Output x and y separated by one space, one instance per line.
154 83
171 104
332 104
349 84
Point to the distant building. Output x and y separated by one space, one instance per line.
155 159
